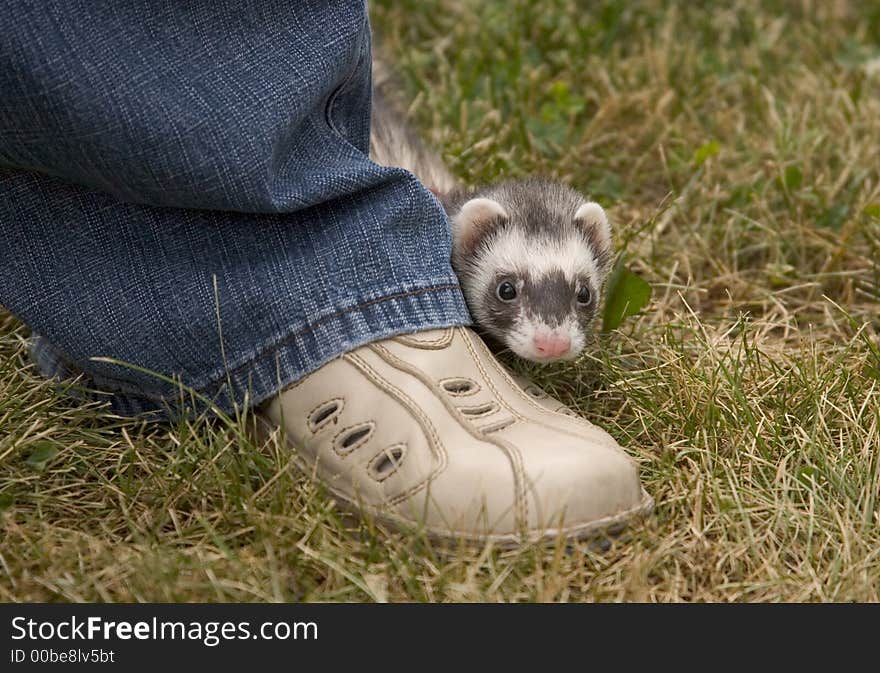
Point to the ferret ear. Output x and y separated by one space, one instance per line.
476 218
592 220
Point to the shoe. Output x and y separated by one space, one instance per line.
541 398
427 431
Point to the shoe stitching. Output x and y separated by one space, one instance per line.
579 531
384 453
427 427
491 384
523 396
505 376
513 454
472 390
345 451
441 341
516 389
476 411
535 392
317 427
500 425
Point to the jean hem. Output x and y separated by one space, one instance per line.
304 349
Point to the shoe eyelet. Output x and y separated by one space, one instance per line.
325 413
460 386
500 425
479 410
353 437
387 463
535 392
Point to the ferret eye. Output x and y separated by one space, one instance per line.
506 291
584 295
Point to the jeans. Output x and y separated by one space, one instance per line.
189 217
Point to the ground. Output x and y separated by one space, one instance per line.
737 149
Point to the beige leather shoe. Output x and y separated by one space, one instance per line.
540 397
428 431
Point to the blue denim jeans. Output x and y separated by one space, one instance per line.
187 204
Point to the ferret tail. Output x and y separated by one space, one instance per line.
393 142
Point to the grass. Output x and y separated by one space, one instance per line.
736 146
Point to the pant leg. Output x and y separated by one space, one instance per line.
185 189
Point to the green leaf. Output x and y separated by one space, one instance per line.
706 151
873 210
6 501
41 455
808 476
793 178
627 295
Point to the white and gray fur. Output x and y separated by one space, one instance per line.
539 235
393 142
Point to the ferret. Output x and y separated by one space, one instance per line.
532 255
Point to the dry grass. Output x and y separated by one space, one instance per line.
737 147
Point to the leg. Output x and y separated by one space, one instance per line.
189 193
187 190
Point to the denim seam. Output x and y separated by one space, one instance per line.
108 385
261 355
115 385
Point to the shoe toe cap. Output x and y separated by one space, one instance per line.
575 481
542 482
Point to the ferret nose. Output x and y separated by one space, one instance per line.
552 345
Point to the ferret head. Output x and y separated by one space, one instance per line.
532 257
